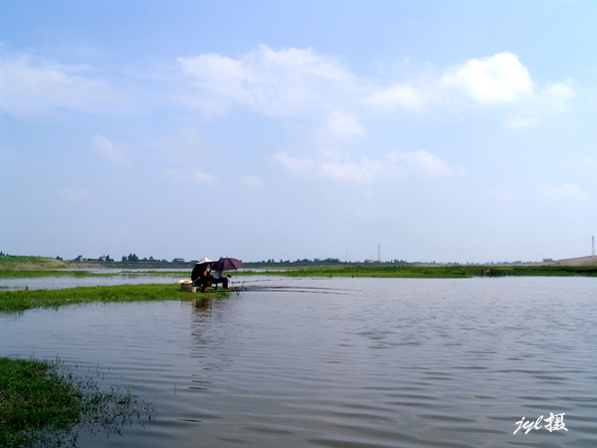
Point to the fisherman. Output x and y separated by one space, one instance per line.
219 277
201 274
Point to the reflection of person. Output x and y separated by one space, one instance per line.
201 276
219 277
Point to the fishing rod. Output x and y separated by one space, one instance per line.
294 290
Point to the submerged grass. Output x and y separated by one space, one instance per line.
41 403
429 271
11 301
33 397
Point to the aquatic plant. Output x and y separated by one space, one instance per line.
44 404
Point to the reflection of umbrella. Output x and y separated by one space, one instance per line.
228 264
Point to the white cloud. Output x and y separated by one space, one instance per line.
560 93
251 181
338 165
186 143
421 163
503 80
340 128
293 163
565 191
554 99
295 82
281 83
192 174
205 178
426 163
520 122
108 151
29 88
348 171
498 79
400 95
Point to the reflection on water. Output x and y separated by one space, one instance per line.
378 363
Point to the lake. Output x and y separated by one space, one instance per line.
341 362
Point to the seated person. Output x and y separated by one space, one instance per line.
201 276
219 277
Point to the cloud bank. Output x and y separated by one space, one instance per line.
333 104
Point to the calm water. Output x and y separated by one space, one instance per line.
128 277
380 363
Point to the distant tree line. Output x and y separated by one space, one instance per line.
133 258
320 262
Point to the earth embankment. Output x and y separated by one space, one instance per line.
579 261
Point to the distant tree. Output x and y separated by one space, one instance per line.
123 258
79 258
133 258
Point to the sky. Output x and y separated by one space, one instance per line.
446 131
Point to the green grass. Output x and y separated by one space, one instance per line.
27 262
34 397
11 301
14 273
429 271
41 403
10 273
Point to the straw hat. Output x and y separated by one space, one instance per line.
205 260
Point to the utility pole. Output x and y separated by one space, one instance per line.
378 253
593 251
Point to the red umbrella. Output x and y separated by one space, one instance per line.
227 264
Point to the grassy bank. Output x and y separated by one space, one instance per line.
31 263
19 262
51 298
41 402
429 271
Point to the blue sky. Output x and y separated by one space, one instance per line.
448 131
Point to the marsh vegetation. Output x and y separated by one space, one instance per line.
456 271
42 403
45 298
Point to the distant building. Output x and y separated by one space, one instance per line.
178 260
545 260
194 261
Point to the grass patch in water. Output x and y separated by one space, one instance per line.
455 271
9 273
41 403
21 300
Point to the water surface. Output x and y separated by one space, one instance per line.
354 363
